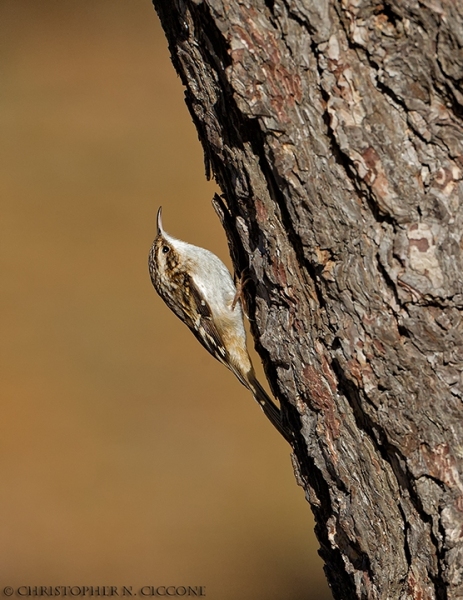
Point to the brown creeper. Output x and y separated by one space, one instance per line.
198 288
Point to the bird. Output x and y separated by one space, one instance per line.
197 286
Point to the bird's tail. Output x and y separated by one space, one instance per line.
272 412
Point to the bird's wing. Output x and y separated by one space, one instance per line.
191 307
198 316
207 332
203 326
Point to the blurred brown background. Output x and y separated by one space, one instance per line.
128 455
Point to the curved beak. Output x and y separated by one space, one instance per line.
159 221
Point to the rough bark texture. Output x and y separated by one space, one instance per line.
334 128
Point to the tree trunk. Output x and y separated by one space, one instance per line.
334 129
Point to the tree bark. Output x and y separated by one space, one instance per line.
334 129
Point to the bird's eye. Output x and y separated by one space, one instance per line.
165 249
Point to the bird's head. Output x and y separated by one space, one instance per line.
165 256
